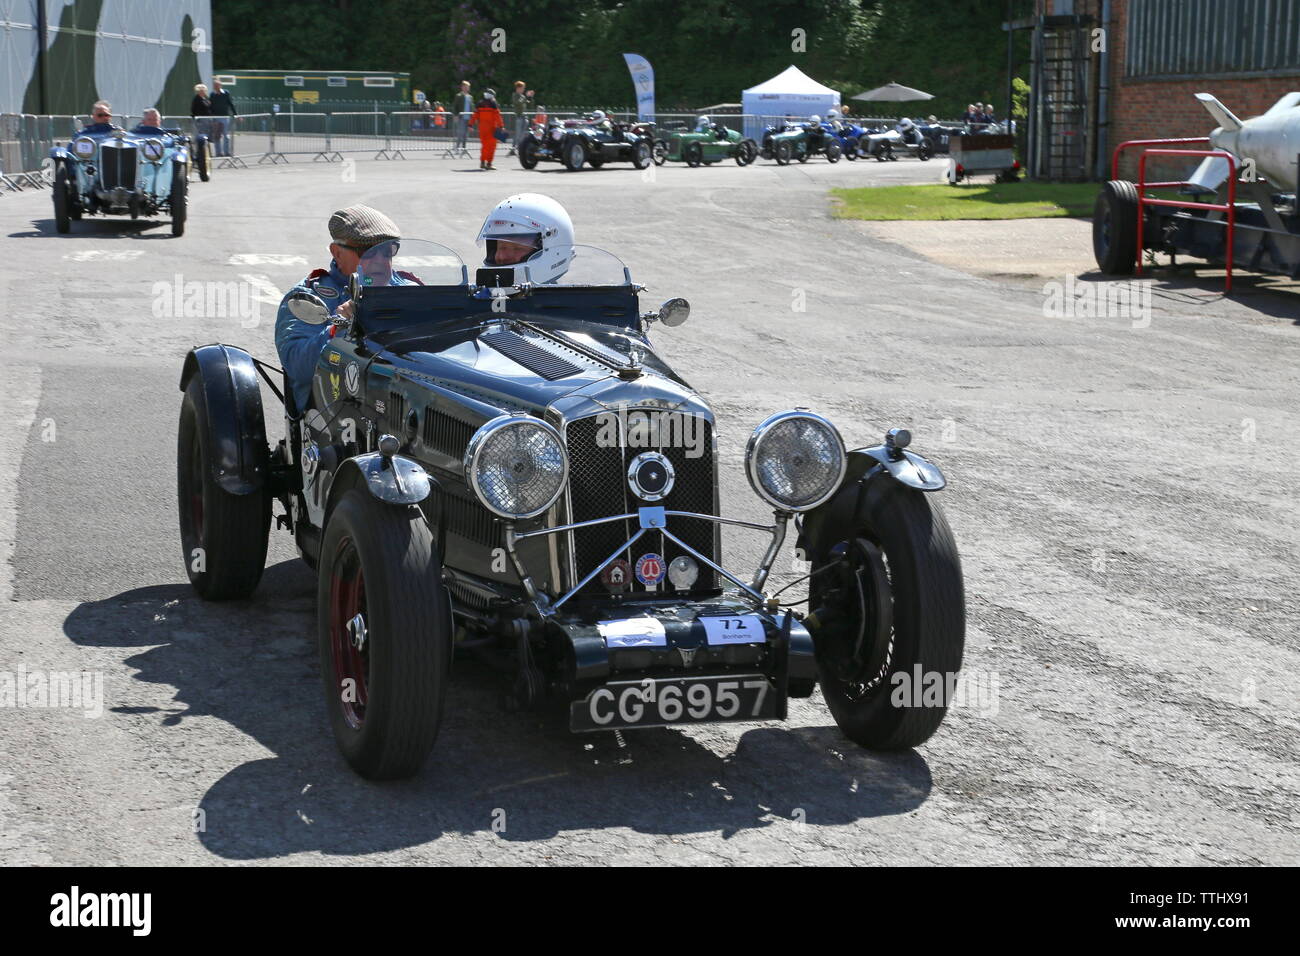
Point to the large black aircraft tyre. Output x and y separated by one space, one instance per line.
894 604
1114 228
574 155
528 153
660 152
833 152
782 152
223 535
178 200
384 635
693 154
62 204
642 155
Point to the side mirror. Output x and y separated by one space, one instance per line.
309 308
674 312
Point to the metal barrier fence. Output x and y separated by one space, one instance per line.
26 140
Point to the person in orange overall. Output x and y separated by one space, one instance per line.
487 117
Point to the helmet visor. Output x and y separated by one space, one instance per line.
507 249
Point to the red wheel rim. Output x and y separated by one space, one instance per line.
347 624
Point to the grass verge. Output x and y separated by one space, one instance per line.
1023 200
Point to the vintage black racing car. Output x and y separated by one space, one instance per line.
576 142
516 472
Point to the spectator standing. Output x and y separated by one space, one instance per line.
463 106
201 111
522 103
223 111
487 119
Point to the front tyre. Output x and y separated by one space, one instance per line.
693 154
528 153
203 158
851 150
384 635
223 535
177 201
641 155
574 155
746 152
62 204
783 151
833 152
894 605
660 152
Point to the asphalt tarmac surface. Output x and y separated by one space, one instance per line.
1121 486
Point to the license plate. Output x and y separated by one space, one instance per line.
679 700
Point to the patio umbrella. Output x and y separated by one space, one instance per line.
893 93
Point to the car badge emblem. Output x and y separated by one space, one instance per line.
352 378
616 576
688 655
650 569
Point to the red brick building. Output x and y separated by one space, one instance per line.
1139 82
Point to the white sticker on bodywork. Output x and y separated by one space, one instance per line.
742 629
634 632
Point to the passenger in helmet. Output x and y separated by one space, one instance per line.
529 234
702 124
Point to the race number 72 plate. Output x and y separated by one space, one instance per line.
676 700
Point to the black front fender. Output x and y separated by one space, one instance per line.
235 423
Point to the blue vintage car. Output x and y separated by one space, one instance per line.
109 171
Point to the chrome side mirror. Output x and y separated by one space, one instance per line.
308 307
674 312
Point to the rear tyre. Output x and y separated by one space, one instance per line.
693 154
62 204
177 201
202 158
833 152
574 155
384 635
528 153
223 535
899 546
783 151
641 155
851 150
1114 228
803 155
924 152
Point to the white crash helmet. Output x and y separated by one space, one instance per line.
905 123
530 218
703 123
833 115
598 116
815 119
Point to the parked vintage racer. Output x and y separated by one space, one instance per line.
904 138
119 173
800 141
516 473
702 146
576 143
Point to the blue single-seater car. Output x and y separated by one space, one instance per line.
118 173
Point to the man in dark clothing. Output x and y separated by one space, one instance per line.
223 111
101 116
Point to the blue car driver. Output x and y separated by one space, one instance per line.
353 232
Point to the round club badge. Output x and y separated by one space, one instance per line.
617 576
650 569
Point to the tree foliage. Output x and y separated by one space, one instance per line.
703 51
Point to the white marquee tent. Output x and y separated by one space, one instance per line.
793 92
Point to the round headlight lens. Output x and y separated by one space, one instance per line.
152 149
795 460
517 466
83 147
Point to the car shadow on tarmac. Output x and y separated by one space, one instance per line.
1199 284
520 777
100 228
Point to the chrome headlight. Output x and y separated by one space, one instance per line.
152 149
517 466
83 147
795 460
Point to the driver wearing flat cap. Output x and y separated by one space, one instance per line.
354 232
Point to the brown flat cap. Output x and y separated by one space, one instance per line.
362 227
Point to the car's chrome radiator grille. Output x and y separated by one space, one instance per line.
117 166
598 488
